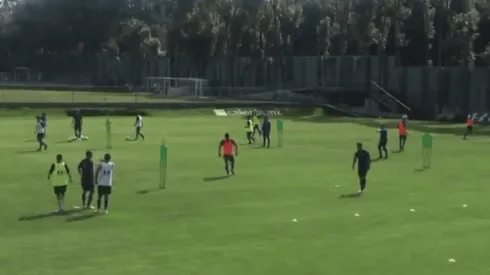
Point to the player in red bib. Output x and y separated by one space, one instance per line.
230 150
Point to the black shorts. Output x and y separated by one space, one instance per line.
403 137
382 143
470 129
362 173
228 158
104 190
59 190
138 130
39 137
257 127
88 186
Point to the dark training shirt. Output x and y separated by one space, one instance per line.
363 159
77 119
266 126
383 134
86 169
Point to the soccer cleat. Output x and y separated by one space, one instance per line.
106 212
232 172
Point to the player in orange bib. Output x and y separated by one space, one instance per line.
402 131
469 126
229 151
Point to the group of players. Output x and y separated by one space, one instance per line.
59 173
363 158
228 148
60 176
41 125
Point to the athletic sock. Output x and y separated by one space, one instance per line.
83 199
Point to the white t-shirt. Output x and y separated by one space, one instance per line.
39 128
105 173
139 121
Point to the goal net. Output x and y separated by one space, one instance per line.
171 86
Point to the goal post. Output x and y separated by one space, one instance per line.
175 87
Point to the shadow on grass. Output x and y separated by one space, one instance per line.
149 190
64 141
27 152
396 152
47 215
29 140
421 169
351 196
83 217
215 178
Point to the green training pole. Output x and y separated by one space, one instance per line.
426 150
163 164
108 133
280 130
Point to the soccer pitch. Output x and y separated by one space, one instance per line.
243 225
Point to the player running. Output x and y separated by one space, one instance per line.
250 130
469 126
86 171
363 160
402 132
230 150
59 174
383 141
104 182
40 133
138 124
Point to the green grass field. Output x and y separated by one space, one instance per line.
243 225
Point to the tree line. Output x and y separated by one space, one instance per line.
418 32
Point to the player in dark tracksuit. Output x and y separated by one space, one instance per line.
86 171
363 160
266 132
77 124
383 140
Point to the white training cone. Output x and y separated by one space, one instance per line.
452 260
464 205
295 220
337 185
356 214
412 210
